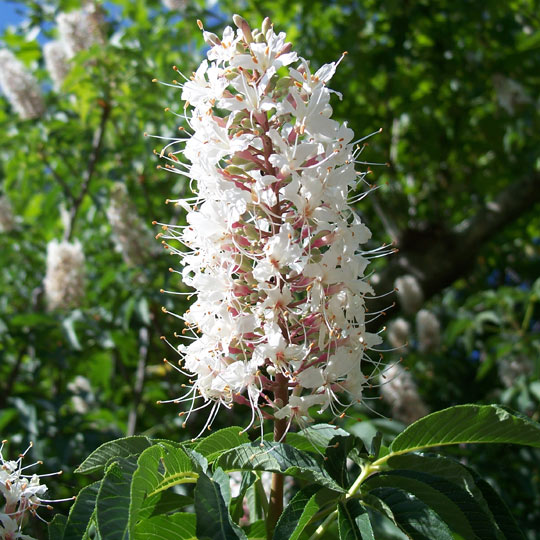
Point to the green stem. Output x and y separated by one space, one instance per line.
366 471
528 314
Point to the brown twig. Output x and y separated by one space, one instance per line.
89 173
14 373
144 343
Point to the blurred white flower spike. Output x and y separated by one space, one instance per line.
133 239
56 61
272 244
80 29
23 495
20 87
64 280
7 219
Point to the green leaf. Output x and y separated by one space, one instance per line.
256 530
412 516
170 502
213 519
257 501
237 504
458 508
159 468
112 505
180 526
222 478
505 520
467 424
276 457
125 447
353 521
69 328
81 512
445 468
336 457
214 445
56 527
302 507
315 438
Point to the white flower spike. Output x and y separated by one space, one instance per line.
273 247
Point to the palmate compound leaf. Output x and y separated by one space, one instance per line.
301 509
277 457
353 521
467 424
410 514
125 447
159 468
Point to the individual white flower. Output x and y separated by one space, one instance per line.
429 330
20 87
409 293
133 239
64 280
7 219
56 62
399 391
80 29
273 248
398 332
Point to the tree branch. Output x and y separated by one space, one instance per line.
438 257
89 173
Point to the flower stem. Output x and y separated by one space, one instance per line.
275 508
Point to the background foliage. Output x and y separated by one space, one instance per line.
460 199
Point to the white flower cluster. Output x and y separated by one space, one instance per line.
56 61
22 494
399 391
64 281
273 245
133 239
7 219
409 293
20 87
398 333
429 330
80 29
